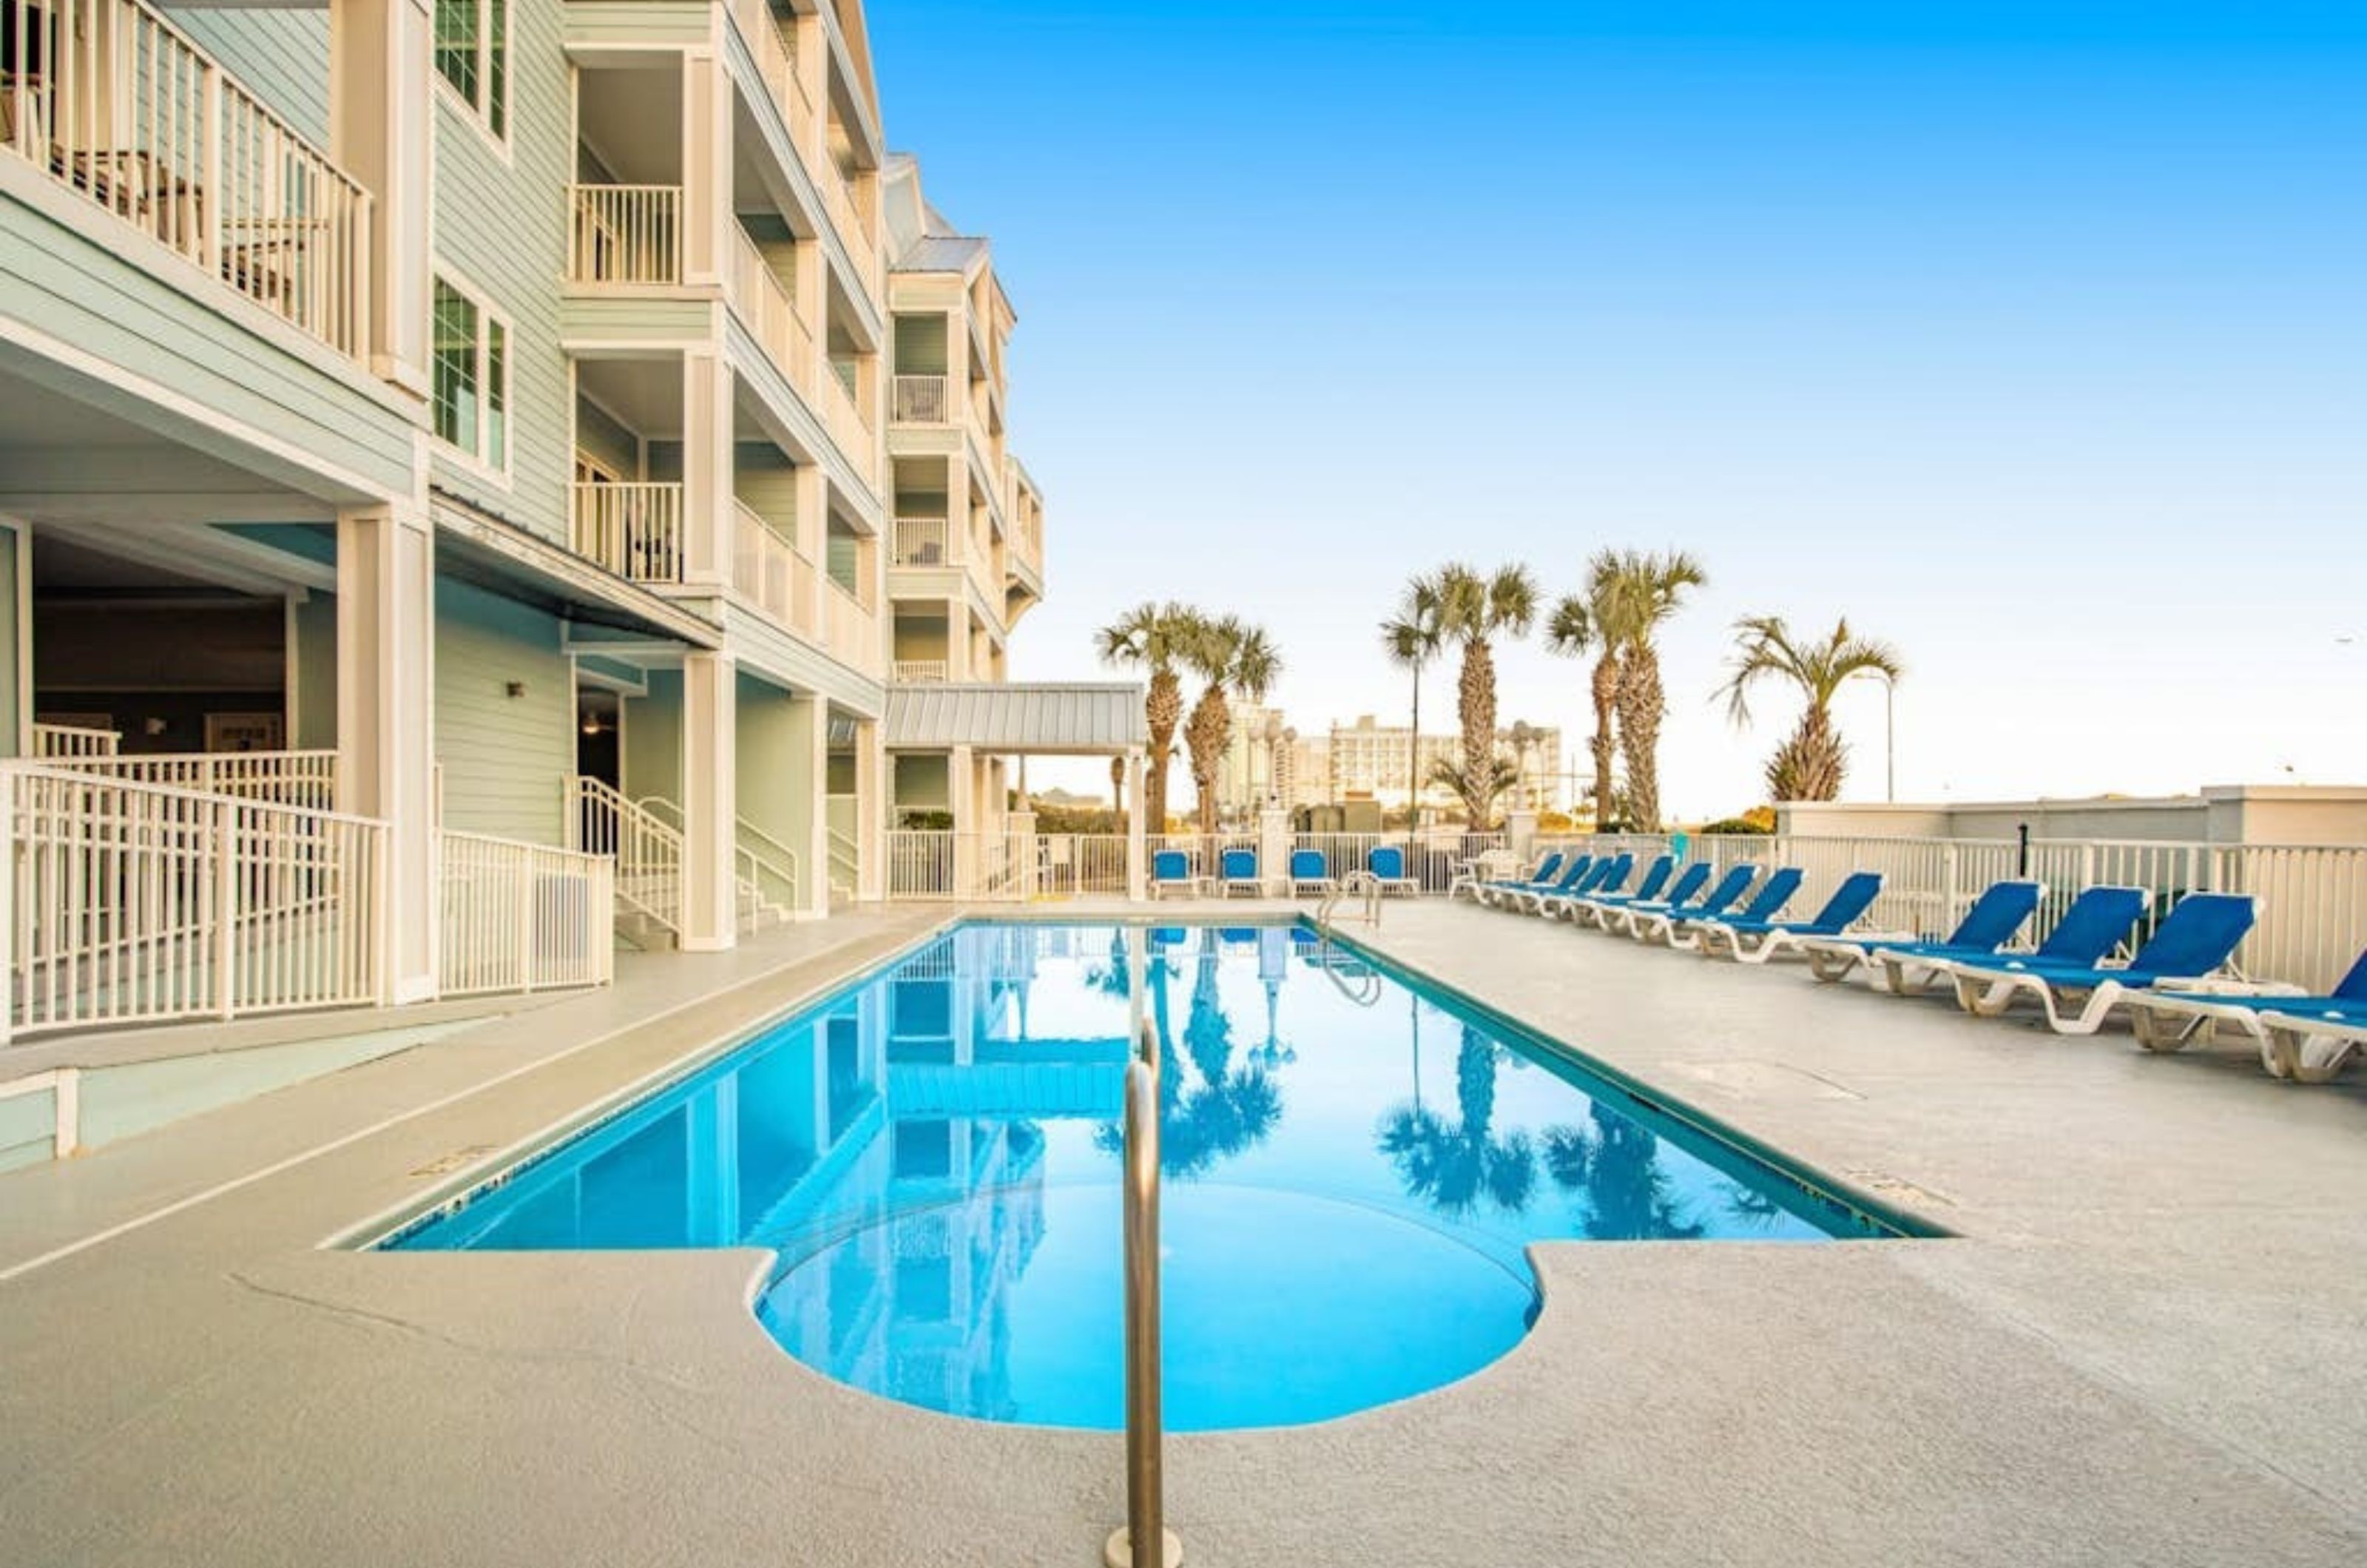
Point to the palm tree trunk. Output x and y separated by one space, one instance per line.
1606 702
1642 702
1162 709
1205 737
1477 699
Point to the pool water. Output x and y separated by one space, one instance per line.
1351 1170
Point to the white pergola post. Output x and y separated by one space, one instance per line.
1137 831
386 730
710 918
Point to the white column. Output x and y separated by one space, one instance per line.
709 801
1520 832
706 172
386 734
961 798
1137 831
1273 851
871 811
1019 831
379 112
707 514
808 776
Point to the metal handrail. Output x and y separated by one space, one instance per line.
1356 883
1143 1541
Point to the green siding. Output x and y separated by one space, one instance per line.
503 757
501 228
652 748
316 673
130 302
15 642
281 57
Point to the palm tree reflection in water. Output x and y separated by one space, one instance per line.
1454 1166
1224 1109
1615 1170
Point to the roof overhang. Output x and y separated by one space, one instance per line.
1093 719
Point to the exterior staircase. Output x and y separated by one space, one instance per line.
645 837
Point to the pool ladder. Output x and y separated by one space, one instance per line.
1361 884
1144 1540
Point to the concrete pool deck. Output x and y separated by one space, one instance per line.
2143 1345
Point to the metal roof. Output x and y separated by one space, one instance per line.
939 252
1079 719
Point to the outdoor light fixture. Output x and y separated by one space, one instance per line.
517 688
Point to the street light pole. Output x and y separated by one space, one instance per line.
1890 739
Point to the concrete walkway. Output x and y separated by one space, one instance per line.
2144 1347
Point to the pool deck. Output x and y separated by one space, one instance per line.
2145 1344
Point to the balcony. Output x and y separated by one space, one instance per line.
922 399
919 673
850 632
770 574
846 215
632 530
772 316
920 541
138 119
849 429
625 236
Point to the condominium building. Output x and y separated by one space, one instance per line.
1368 762
549 433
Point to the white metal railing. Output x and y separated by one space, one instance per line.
765 302
1077 865
647 850
919 671
920 541
633 530
67 741
922 399
850 631
520 916
845 861
138 903
766 867
625 235
306 780
846 215
776 60
120 105
921 864
771 574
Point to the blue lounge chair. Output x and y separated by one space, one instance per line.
1647 922
1238 870
1656 876
1765 904
1597 910
1574 870
1546 871
2192 943
2300 1036
2096 922
1171 872
1608 876
1755 941
1388 863
1989 925
1309 871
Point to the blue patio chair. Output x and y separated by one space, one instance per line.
1755 941
1999 912
1650 922
1308 870
1597 910
1609 875
1548 875
1388 863
1171 872
2303 1037
2193 943
1238 870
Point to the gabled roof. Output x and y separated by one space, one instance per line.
1084 718
941 253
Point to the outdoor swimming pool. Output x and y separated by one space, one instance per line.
1352 1168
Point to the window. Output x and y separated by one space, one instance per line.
471 380
472 54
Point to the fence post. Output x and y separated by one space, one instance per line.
11 783
1273 851
225 837
527 908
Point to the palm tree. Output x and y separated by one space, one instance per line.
1645 587
1154 638
1591 621
1230 656
1810 763
1414 637
1473 612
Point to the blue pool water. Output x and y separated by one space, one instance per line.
1353 1169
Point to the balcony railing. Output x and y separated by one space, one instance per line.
770 574
920 541
121 107
764 304
304 779
633 530
624 234
70 740
922 399
849 428
520 916
777 59
846 215
921 671
850 633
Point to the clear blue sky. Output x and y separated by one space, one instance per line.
2033 336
